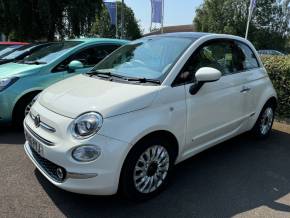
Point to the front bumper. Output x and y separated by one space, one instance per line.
99 177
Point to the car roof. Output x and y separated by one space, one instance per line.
191 35
197 35
14 43
101 40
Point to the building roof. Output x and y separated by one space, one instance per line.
173 29
194 35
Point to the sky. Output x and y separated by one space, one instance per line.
176 12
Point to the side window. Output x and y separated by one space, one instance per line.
89 57
216 54
249 60
100 52
227 56
82 56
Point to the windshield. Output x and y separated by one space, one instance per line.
149 58
3 47
14 54
50 53
8 50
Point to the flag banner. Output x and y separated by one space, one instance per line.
156 7
111 6
252 6
251 10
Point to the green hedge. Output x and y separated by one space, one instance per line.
278 68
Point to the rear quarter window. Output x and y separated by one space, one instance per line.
250 61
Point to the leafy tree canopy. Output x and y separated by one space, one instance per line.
269 27
103 28
44 19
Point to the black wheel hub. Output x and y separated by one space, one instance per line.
152 169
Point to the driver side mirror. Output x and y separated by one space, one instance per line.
74 65
204 75
207 74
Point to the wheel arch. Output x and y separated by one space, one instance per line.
163 134
269 99
23 98
272 100
158 133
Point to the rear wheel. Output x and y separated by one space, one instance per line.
146 170
265 121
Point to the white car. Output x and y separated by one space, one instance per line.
148 106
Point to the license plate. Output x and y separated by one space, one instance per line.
34 144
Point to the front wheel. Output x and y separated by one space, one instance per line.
265 121
146 169
28 107
22 108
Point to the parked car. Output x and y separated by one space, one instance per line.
270 52
8 47
21 52
146 107
4 45
20 82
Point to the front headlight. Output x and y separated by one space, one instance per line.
6 82
86 153
86 125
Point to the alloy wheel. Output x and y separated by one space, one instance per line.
151 169
266 120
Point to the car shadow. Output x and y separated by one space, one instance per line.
10 135
233 177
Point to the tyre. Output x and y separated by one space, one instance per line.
28 106
22 108
263 125
146 169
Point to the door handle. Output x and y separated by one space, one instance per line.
245 89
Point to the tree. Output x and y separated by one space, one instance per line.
31 20
103 28
269 27
81 15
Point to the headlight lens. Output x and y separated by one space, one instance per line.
86 153
87 125
6 82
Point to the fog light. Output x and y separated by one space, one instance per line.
86 153
60 173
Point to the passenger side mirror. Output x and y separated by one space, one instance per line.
74 65
207 74
202 76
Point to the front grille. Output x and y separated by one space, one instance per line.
49 167
43 140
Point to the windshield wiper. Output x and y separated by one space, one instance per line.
109 75
33 62
106 74
144 80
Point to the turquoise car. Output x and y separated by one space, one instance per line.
20 82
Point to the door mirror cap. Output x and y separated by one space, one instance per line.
74 65
207 74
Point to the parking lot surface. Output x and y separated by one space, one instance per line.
243 177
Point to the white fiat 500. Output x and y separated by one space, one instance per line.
146 107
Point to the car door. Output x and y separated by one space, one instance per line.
89 57
217 110
256 79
